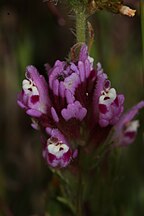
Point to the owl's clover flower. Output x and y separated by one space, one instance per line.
110 104
75 106
57 153
126 128
34 95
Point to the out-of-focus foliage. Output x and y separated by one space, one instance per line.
33 32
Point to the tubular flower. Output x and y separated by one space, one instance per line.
34 95
110 107
110 104
57 153
126 128
75 106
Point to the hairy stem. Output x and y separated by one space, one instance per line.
80 25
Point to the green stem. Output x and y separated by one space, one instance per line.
80 25
79 189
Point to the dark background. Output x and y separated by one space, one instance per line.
33 32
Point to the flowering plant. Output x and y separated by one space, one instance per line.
75 107
81 119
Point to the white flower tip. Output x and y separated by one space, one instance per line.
91 60
107 96
56 147
133 125
25 83
125 10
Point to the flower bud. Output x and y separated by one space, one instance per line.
125 10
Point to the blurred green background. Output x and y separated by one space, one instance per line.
34 32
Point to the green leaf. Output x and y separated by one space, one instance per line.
67 203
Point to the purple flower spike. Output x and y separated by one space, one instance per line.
126 128
34 96
57 153
74 104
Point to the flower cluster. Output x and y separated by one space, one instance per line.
75 106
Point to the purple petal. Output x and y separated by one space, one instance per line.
52 160
55 87
20 100
81 71
107 84
128 116
111 111
101 77
55 72
74 110
123 134
34 126
41 84
103 122
66 159
21 104
103 108
54 115
87 68
34 113
83 53
74 68
75 153
56 151
71 82
130 135
69 97
62 89
34 99
54 132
